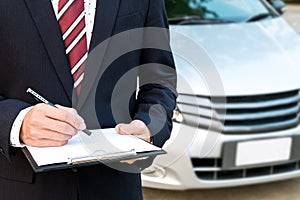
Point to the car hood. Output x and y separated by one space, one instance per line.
248 58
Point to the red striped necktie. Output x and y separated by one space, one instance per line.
71 18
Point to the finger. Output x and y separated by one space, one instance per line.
55 136
130 129
61 114
141 132
78 120
49 131
141 127
129 161
39 122
61 127
145 137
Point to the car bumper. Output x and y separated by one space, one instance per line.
195 157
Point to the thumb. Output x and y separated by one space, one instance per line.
134 128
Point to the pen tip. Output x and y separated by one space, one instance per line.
89 133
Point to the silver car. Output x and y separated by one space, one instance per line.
237 118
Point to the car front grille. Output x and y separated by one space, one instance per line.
210 170
242 114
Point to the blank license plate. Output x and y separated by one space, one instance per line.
263 151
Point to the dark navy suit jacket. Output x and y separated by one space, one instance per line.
32 54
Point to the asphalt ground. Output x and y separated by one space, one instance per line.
283 190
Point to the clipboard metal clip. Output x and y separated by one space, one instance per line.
102 157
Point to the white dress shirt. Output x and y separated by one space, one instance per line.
90 10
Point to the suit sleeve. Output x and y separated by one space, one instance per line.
157 95
9 109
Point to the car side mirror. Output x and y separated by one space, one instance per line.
278 5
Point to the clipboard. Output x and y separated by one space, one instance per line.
110 151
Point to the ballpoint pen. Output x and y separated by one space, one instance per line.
42 99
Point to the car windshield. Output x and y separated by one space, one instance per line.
216 11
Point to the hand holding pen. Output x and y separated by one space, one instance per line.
48 125
38 97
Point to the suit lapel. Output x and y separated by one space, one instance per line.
105 18
46 23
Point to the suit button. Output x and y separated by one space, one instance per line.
2 151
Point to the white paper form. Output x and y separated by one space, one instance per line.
102 141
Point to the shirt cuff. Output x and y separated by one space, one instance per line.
16 127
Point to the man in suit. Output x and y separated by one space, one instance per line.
35 52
